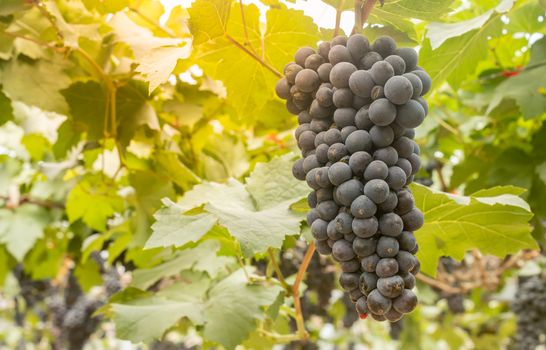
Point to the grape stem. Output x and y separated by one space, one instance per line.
11 203
278 271
366 10
339 11
296 293
253 55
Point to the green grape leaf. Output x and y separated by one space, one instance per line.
201 258
145 319
224 41
8 7
42 84
104 7
453 55
156 56
93 200
234 306
495 221
6 111
272 183
427 10
527 88
87 101
21 227
173 228
258 214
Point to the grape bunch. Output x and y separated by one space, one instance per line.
357 106
530 307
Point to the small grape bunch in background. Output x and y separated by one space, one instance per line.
357 105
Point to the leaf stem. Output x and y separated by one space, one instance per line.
36 41
366 10
278 271
438 284
296 293
253 55
247 40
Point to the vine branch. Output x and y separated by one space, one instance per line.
10 203
296 293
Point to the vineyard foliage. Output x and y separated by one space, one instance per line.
154 138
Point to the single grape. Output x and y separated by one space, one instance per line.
425 79
385 45
318 125
310 162
386 267
306 140
406 302
323 72
403 146
323 248
328 210
381 71
415 162
407 241
314 61
416 84
348 191
368 282
423 104
339 173
417 268
387 155
302 54
332 232
350 237
363 207
396 178
325 97
390 204
358 45
376 170
300 129
391 287
324 194
317 111
397 129
339 54
350 266
340 74
330 242
282 88
321 177
365 228
387 247
343 98
406 261
310 178
393 315
321 153
343 251
377 303
336 152
319 139
379 318
364 247
346 131
405 202
359 102
382 136
349 281
355 294
361 83
369 263
411 114
332 136
377 190
410 133
359 161
369 60
398 90
362 306
409 56
344 222
397 63
323 49
304 118
340 40
344 117
409 280
290 72
297 170
312 215
358 141
382 112
319 229
413 220
362 119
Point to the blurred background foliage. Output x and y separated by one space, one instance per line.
146 199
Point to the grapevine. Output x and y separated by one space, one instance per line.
530 307
357 106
